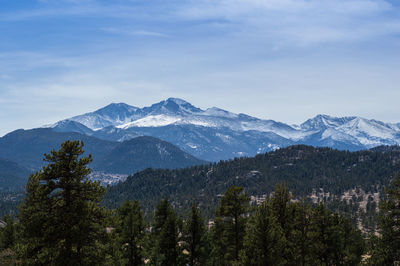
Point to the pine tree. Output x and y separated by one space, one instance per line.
230 224
320 234
219 242
264 242
60 217
387 246
195 237
165 235
7 239
301 241
284 211
131 230
335 241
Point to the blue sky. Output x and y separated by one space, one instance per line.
286 60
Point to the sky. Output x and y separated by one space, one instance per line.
286 60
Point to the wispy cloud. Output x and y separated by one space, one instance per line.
132 32
289 56
305 22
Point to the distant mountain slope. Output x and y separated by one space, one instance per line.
72 126
211 144
143 152
27 147
305 170
215 134
12 175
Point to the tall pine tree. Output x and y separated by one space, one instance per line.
131 230
164 235
264 242
387 246
60 217
195 237
229 228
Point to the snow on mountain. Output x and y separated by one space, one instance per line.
336 135
112 115
151 121
175 111
369 133
71 126
324 121
217 112
219 134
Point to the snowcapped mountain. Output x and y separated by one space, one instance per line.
175 111
215 134
354 130
111 115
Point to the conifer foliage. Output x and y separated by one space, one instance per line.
61 223
131 230
195 237
228 232
60 218
387 247
164 235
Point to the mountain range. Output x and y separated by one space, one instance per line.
214 134
23 151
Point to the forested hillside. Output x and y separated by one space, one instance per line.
323 172
12 175
23 151
61 222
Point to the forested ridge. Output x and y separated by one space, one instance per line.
61 222
303 169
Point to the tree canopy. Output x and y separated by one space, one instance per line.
60 217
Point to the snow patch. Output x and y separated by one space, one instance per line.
151 121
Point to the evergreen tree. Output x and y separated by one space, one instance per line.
165 235
335 241
115 252
131 230
301 241
320 235
60 217
353 243
284 212
195 237
230 224
7 234
219 242
264 242
387 246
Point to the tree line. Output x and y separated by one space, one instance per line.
61 222
303 168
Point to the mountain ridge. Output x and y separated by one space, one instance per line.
23 151
345 181
213 134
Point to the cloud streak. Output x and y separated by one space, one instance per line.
278 59
132 32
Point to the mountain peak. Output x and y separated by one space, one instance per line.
323 121
215 111
178 101
116 107
172 106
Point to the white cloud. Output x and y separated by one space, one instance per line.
239 9
280 59
303 22
133 32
